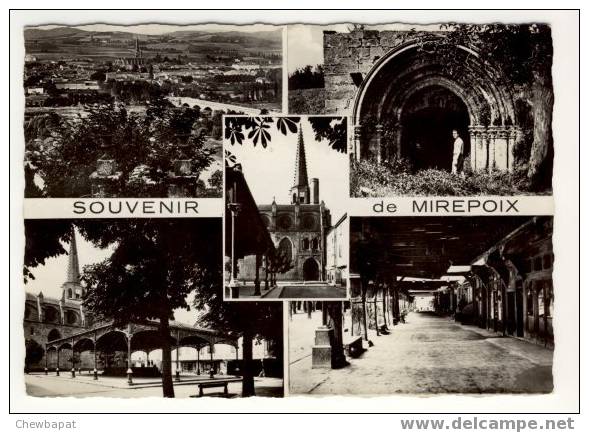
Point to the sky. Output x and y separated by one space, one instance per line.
305 42
50 276
269 171
160 29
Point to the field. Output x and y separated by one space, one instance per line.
69 42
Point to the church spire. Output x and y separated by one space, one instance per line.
300 188
138 53
73 266
72 288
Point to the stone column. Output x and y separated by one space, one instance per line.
336 314
484 150
57 365
46 360
478 147
379 145
357 153
500 147
492 132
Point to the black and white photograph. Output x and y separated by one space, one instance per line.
134 308
286 224
294 211
460 305
443 109
135 111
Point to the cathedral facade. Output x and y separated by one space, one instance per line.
298 229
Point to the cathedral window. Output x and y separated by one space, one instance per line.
285 248
305 244
315 244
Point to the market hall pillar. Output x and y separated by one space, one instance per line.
257 277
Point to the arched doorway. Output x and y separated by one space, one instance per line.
310 270
409 101
428 118
34 353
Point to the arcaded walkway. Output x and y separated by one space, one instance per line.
428 354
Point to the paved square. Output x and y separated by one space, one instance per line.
428 354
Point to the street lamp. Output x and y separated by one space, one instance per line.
235 208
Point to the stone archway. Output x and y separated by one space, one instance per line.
310 270
54 334
410 95
34 353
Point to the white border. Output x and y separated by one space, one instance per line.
564 399
345 177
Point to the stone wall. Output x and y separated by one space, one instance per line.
39 332
353 53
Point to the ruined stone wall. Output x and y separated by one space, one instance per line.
354 52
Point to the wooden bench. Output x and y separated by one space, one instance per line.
353 346
213 384
216 383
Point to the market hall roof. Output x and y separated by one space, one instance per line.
252 234
424 247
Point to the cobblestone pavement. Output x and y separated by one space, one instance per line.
428 354
63 386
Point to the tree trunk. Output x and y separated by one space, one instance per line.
167 383
247 389
364 313
541 152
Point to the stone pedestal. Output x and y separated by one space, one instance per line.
106 180
322 352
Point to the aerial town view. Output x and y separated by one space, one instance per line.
151 97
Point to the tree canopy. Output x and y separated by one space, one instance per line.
259 129
63 153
